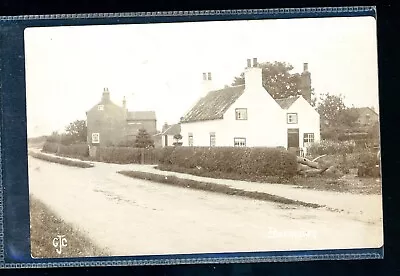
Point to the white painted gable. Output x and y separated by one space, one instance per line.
308 119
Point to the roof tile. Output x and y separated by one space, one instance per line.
214 104
141 115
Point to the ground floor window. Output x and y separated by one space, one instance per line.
95 138
212 139
308 138
190 140
239 142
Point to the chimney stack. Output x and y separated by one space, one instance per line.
207 83
255 63
106 95
306 83
305 67
253 74
165 126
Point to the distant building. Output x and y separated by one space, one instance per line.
247 115
366 116
167 134
110 124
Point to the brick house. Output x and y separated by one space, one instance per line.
366 116
110 124
247 115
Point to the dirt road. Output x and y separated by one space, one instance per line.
137 217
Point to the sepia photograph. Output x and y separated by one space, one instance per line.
206 137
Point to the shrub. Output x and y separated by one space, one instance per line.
331 147
50 147
78 150
368 165
74 150
128 155
255 161
126 143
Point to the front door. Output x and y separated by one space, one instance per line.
293 138
166 140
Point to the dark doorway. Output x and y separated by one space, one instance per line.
166 140
293 138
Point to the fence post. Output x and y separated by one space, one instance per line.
142 156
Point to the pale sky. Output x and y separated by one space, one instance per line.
159 66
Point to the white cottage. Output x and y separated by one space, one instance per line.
248 116
168 134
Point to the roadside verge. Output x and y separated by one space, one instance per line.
46 226
215 188
60 160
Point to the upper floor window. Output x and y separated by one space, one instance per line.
100 107
190 142
212 139
95 138
292 118
241 113
239 142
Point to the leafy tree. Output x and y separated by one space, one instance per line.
278 80
331 108
143 139
348 117
76 132
54 137
374 131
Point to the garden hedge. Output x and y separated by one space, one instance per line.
369 165
331 147
255 161
50 147
127 155
78 150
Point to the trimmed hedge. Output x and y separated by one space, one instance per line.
78 150
247 161
50 147
75 150
127 155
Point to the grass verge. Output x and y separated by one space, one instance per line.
215 188
45 226
224 175
59 160
347 183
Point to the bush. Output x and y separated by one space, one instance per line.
75 150
78 150
368 165
128 155
250 161
50 147
331 147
